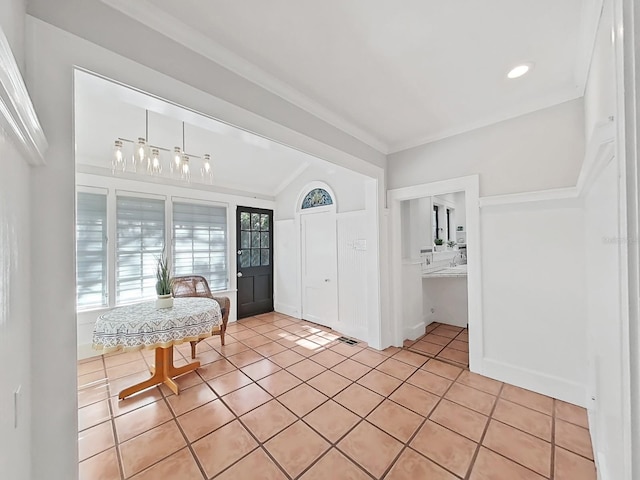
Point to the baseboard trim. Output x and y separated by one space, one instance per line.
415 331
549 385
290 310
86 350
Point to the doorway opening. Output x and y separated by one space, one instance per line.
435 259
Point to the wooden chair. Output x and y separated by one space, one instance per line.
197 286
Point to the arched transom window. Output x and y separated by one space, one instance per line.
318 197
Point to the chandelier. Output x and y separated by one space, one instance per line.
155 160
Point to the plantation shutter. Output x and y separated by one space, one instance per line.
200 242
91 250
140 243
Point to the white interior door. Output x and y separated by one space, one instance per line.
319 268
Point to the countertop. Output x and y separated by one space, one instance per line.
457 271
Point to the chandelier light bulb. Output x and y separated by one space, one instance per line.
207 173
155 167
185 171
141 156
118 162
177 158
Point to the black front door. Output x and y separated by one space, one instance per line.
254 233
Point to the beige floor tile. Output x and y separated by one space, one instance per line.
148 448
267 420
520 447
443 369
143 419
369 358
256 341
430 382
528 399
302 399
229 382
246 398
358 399
191 398
571 413
286 358
279 383
93 414
569 466
448 449
415 399
345 349
454 355
205 419
460 419
232 348
411 358
90 366
328 358
413 466
178 466
215 369
329 383
103 466
479 382
120 407
380 383
270 349
296 448
436 339
574 438
260 369
351 369
471 398
428 348
491 466
245 358
95 440
222 448
396 368
249 466
331 420
524 418
306 369
371 448
335 466
395 420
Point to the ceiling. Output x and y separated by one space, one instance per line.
394 75
242 162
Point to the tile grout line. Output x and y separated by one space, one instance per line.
484 433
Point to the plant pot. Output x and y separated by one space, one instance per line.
440 248
164 301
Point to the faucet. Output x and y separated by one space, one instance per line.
454 262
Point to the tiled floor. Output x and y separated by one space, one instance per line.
284 400
444 342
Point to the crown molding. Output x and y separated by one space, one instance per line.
148 14
17 115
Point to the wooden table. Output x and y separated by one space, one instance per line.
142 326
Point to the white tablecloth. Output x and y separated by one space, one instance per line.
134 327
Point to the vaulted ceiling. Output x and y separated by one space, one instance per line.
392 74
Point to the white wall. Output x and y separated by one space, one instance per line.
448 298
534 297
15 318
15 315
86 319
348 188
538 151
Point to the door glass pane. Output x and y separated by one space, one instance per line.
264 222
245 239
255 257
245 258
264 240
265 256
255 239
245 221
255 221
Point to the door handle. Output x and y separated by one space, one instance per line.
327 280
239 274
239 252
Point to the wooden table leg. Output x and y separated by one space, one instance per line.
163 372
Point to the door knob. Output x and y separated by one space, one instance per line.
327 280
239 274
239 252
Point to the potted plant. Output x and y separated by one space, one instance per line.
163 284
439 242
451 244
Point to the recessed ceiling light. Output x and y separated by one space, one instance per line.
520 70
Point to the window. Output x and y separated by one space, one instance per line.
140 231
200 242
91 250
448 224
436 222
